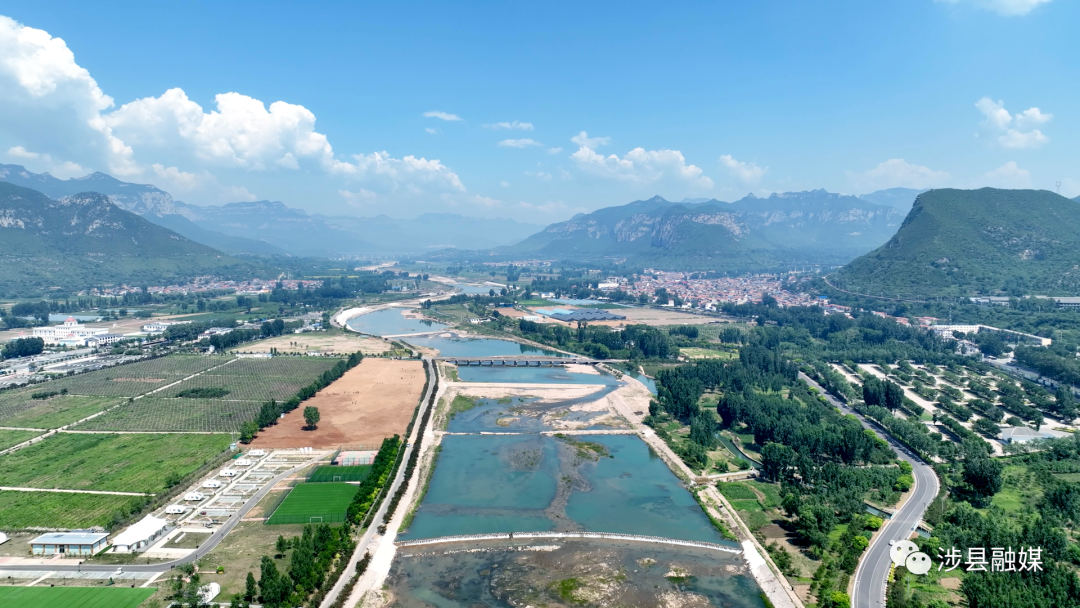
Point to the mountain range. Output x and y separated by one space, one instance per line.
83 240
783 230
272 228
962 242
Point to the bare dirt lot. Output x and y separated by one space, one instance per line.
374 400
334 342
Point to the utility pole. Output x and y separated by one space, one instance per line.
1058 183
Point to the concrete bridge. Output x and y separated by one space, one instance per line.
659 540
519 361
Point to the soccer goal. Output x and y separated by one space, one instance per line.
337 477
315 520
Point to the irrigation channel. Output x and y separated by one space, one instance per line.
562 492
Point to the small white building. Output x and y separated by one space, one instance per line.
176 509
1022 434
104 340
207 593
211 483
139 535
256 453
194 496
68 543
228 473
243 462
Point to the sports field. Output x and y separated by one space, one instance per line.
73 597
332 473
309 502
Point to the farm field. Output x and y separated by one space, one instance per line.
107 461
372 401
328 501
73 597
53 412
10 438
249 382
135 379
338 473
20 510
326 342
156 414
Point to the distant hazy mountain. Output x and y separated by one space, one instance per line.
148 201
959 242
271 227
815 227
85 240
900 198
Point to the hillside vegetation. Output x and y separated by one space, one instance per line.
85 240
961 242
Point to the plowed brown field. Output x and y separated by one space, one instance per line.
373 400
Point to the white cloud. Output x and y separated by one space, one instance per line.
54 117
748 173
45 162
504 184
359 198
640 166
485 201
432 131
522 126
544 175
1008 175
1013 131
583 140
441 115
519 143
554 150
1008 8
897 173
49 102
551 208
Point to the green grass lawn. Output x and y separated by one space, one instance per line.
10 438
770 490
73 597
21 510
706 353
735 490
326 500
337 473
54 412
125 463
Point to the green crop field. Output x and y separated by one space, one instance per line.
53 412
156 414
736 491
20 510
10 438
296 368
328 501
73 597
333 473
254 387
134 379
125 463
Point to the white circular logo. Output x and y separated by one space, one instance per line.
901 550
918 563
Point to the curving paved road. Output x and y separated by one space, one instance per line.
873 572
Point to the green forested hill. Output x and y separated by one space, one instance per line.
84 240
961 242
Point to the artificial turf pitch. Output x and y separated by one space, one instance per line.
314 502
340 473
73 597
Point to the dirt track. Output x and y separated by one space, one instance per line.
374 400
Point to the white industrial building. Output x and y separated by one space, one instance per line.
69 333
104 340
68 543
140 534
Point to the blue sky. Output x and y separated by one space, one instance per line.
554 109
